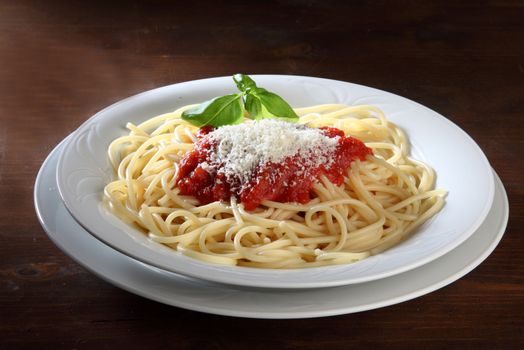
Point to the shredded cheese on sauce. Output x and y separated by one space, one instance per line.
242 148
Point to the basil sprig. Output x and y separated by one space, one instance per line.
229 109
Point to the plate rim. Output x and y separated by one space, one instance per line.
230 278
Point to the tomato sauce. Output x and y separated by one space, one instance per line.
290 180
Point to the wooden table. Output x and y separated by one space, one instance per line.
61 61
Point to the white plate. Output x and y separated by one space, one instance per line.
199 295
462 169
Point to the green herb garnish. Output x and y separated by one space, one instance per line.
229 109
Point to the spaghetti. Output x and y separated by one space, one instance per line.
379 202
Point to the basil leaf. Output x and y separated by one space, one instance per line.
223 110
261 104
254 108
244 83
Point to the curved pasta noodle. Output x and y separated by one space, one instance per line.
382 200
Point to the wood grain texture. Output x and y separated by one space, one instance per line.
62 61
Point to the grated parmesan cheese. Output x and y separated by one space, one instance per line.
240 149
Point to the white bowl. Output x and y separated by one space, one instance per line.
83 170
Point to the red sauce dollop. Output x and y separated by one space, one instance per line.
283 182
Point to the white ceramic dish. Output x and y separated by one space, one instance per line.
83 170
199 295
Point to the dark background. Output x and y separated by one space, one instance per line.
62 61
